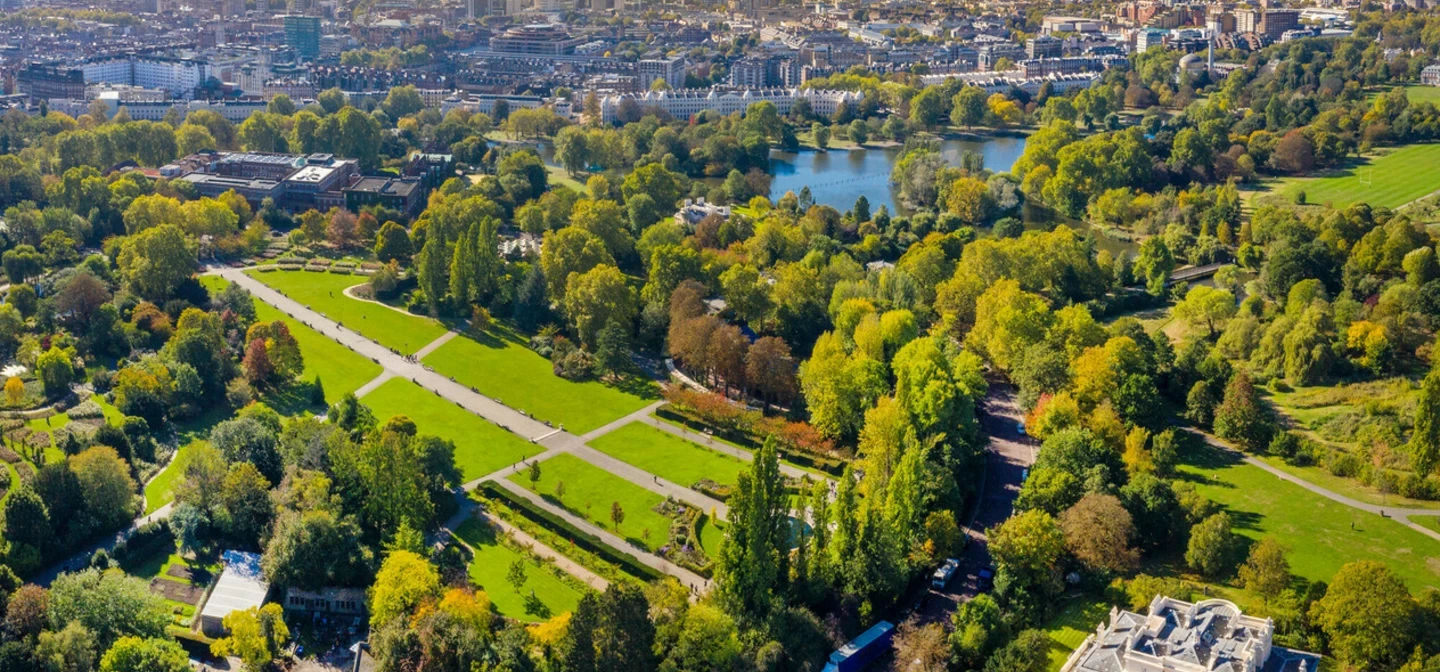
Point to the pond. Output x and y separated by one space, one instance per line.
837 177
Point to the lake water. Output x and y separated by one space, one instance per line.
837 177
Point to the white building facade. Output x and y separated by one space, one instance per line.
685 103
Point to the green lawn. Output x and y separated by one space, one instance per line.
711 533
541 596
668 456
589 493
500 366
341 370
1432 522
1072 625
324 293
1391 179
161 489
481 446
1321 535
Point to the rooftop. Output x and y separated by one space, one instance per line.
241 586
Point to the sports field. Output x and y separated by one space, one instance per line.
1392 179
589 493
325 294
668 456
501 367
481 446
1320 535
541 596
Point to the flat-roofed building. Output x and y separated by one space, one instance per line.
406 194
241 586
542 39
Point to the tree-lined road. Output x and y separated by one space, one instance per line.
1007 456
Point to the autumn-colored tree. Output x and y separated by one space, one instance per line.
14 391
770 370
1241 416
1098 531
258 369
1266 571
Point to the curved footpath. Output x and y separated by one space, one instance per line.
1401 515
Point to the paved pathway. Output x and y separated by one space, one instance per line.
721 447
435 344
654 483
468 509
637 416
1401 515
687 577
81 559
374 383
399 365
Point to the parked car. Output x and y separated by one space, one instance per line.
986 580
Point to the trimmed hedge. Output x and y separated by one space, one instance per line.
145 539
580 538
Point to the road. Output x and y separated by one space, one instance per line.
1007 456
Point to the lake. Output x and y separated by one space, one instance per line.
837 177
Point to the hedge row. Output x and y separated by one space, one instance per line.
580 538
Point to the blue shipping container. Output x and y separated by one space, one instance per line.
858 653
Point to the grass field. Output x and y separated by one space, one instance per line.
481 446
1432 522
668 456
1320 535
589 492
160 490
1393 179
324 293
711 533
1072 625
341 370
500 366
541 596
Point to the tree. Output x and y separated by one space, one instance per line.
1028 652
109 491
1213 546
1007 320
55 371
14 391
1027 550
968 106
571 250
155 261
927 108
1424 440
21 263
617 515
1266 571
515 576
1241 416
152 654
1206 307
1368 616
596 298
404 582
1098 532
109 604
970 200
402 101
751 568
69 650
770 369
533 473
392 243
925 645
859 133
258 369
612 350
821 134
1154 264
26 525
257 636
